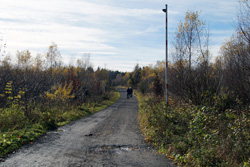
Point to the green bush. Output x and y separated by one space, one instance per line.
198 135
12 118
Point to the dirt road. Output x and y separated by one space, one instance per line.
109 138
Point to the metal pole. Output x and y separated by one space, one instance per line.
166 75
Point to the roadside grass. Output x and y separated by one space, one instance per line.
16 129
105 103
196 135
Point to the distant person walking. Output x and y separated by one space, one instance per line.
129 92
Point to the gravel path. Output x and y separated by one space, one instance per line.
109 138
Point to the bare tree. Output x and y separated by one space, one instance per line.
84 62
38 62
244 21
235 54
23 59
192 38
236 58
189 75
53 55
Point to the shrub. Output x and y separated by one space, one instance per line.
198 135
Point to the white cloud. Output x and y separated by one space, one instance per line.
122 32
150 29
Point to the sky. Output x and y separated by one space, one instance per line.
118 34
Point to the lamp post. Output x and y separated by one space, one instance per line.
166 74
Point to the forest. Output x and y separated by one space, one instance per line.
205 123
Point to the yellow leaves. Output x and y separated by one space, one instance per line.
60 92
24 58
65 71
152 75
18 96
8 87
151 85
21 92
192 26
147 139
10 98
171 101
9 94
9 84
180 64
181 109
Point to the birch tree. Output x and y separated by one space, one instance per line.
191 56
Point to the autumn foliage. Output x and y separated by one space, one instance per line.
40 93
207 121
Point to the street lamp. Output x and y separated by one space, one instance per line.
166 75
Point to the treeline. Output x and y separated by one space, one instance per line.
44 78
206 122
193 78
39 94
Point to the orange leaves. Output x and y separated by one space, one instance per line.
170 157
171 101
